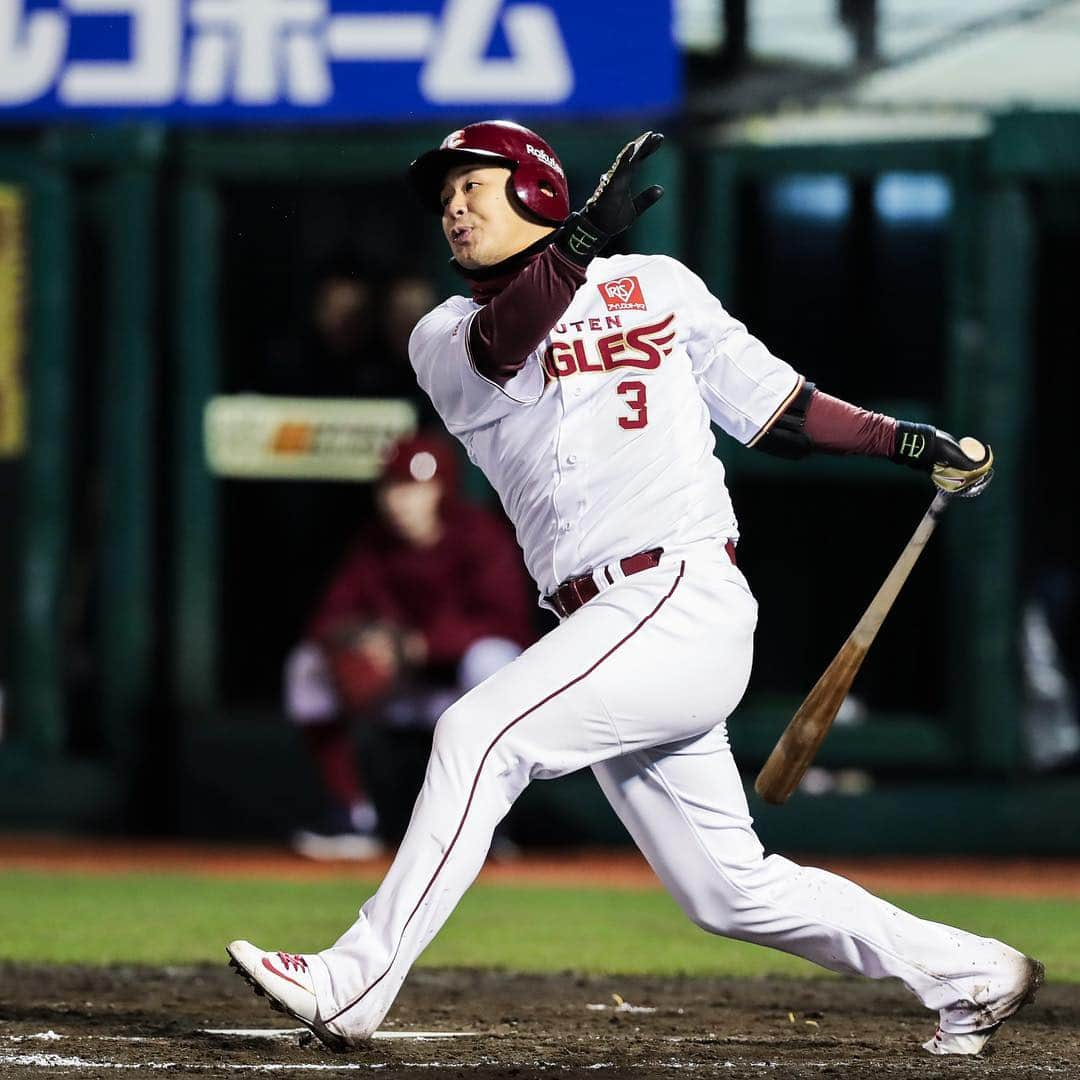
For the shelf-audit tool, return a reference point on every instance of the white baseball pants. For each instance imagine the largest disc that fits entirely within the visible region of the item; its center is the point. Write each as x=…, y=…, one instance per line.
x=636, y=684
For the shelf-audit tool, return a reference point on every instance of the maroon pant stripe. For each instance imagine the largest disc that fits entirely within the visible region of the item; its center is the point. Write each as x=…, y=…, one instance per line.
x=476, y=780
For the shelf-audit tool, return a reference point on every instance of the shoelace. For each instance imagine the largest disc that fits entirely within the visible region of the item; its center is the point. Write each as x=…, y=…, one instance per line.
x=289, y=960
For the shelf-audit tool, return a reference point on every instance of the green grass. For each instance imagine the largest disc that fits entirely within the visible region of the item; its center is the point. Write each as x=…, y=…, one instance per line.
x=184, y=919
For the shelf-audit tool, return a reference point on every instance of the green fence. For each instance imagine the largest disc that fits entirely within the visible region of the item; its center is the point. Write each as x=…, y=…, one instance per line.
x=159, y=199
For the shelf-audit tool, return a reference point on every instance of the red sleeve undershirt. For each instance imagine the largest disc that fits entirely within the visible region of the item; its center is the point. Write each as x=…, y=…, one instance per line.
x=839, y=428
x=507, y=329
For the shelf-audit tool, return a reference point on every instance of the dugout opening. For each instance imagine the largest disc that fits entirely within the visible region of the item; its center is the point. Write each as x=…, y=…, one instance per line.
x=1050, y=616
x=1007, y=257
x=845, y=277
x=320, y=285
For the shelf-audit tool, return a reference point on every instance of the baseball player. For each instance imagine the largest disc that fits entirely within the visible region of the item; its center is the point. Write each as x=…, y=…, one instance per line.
x=584, y=387
x=430, y=601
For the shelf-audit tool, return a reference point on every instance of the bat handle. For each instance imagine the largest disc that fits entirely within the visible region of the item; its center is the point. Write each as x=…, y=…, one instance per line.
x=938, y=505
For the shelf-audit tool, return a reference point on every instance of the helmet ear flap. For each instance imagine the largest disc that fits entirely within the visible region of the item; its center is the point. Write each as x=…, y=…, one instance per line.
x=541, y=191
x=527, y=197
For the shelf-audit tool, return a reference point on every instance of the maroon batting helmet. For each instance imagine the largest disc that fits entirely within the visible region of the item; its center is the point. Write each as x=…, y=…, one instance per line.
x=538, y=178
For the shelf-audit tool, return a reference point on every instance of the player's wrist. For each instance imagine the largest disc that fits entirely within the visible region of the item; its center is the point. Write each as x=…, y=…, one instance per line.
x=915, y=445
x=580, y=240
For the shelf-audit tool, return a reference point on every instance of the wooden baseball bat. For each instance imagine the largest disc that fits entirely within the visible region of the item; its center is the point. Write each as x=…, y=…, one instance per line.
x=796, y=747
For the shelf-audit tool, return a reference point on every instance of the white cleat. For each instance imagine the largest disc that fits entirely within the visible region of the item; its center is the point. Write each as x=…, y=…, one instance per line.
x=285, y=979
x=997, y=1012
x=946, y=1042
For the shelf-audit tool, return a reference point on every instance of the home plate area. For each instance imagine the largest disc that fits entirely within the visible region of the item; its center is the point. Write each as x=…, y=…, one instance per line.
x=203, y=1021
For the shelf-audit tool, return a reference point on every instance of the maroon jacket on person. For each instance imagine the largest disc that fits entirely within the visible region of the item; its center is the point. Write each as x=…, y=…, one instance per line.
x=470, y=585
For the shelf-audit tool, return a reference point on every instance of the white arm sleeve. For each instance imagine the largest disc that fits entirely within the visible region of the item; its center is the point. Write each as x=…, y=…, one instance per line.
x=743, y=385
x=465, y=399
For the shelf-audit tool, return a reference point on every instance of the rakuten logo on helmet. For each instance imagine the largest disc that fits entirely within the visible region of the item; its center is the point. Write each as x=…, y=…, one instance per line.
x=623, y=294
x=546, y=158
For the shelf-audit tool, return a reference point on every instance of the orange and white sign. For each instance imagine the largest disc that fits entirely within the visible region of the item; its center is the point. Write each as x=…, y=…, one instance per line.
x=257, y=436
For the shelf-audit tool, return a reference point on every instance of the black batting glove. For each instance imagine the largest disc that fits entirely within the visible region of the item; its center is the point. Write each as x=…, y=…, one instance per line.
x=613, y=208
x=925, y=447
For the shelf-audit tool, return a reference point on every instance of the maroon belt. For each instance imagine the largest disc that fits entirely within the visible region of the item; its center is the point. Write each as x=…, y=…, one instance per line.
x=572, y=594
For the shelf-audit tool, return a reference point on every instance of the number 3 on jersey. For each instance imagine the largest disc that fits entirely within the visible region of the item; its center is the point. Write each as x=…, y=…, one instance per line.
x=634, y=392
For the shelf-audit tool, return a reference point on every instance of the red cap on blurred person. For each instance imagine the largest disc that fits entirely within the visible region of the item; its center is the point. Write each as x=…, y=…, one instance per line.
x=420, y=458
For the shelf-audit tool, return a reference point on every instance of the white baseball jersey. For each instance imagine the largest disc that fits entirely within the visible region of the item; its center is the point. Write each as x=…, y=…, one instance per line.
x=600, y=446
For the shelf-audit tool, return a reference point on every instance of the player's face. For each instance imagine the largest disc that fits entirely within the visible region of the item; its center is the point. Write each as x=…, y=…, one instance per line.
x=481, y=220
x=411, y=509
x=342, y=311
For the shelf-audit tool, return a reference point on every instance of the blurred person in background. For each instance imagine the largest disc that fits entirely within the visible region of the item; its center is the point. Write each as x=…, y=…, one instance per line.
x=346, y=345
x=409, y=297
x=406, y=299
x=325, y=358
x=354, y=342
x=430, y=601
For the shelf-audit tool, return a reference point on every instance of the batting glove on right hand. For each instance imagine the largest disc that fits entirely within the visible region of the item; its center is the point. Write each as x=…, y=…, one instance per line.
x=924, y=447
x=612, y=208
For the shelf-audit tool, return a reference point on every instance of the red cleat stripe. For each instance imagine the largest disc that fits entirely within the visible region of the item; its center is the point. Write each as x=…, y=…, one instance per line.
x=281, y=974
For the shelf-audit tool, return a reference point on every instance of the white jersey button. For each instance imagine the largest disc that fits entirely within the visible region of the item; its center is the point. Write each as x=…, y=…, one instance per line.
x=571, y=459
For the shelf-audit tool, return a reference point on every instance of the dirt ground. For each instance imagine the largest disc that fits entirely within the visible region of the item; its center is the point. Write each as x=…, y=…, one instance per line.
x=109, y=1022
x=94, y=1022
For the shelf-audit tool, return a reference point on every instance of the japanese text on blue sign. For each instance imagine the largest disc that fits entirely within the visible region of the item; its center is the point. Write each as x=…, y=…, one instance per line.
x=297, y=60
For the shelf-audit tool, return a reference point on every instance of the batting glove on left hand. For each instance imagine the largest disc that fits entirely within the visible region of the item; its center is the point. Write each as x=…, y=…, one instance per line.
x=924, y=447
x=613, y=207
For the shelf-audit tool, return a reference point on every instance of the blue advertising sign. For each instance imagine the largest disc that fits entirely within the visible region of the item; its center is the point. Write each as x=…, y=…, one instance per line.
x=332, y=60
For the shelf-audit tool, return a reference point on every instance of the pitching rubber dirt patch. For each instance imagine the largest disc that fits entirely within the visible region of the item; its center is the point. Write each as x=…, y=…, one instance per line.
x=94, y=1022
